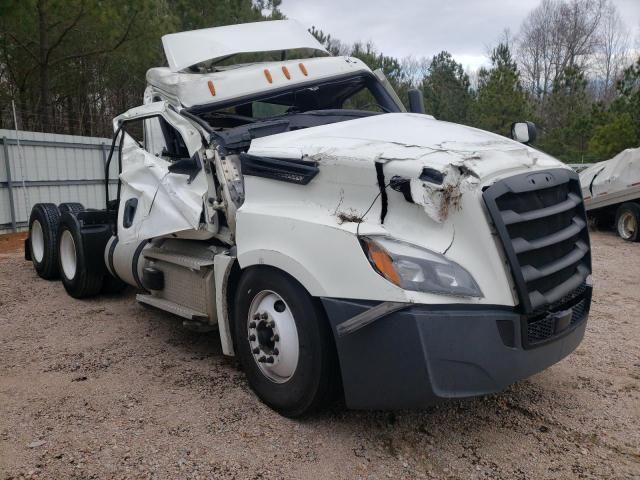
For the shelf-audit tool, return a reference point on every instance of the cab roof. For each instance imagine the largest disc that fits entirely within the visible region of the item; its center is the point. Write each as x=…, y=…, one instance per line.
x=194, y=89
x=185, y=49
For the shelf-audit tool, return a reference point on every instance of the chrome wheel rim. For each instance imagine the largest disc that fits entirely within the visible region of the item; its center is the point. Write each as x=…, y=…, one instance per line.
x=627, y=225
x=68, y=258
x=273, y=336
x=37, y=241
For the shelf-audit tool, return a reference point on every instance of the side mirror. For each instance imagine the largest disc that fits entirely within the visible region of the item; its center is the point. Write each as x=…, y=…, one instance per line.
x=416, y=101
x=523, y=132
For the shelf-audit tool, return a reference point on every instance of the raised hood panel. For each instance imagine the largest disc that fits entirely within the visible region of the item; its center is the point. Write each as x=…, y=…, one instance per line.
x=416, y=140
x=184, y=49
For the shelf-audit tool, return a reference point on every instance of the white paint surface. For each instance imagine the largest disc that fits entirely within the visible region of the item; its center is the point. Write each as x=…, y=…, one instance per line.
x=167, y=202
x=184, y=49
x=298, y=228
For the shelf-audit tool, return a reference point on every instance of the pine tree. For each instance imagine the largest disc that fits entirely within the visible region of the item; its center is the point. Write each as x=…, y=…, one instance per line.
x=500, y=99
x=446, y=89
x=568, y=124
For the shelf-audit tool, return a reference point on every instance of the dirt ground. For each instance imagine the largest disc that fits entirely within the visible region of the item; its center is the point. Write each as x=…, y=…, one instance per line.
x=106, y=388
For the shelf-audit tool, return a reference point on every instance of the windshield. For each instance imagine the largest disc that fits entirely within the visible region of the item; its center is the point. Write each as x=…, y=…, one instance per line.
x=361, y=93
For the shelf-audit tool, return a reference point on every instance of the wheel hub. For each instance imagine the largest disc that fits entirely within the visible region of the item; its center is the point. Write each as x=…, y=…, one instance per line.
x=273, y=336
x=627, y=225
x=68, y=258
x=37, y=241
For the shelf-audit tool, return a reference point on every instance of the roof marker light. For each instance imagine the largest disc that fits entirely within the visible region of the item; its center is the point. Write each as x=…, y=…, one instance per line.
x=285, y=70
x=212, y=88
x=303, y=69
x=267, y=74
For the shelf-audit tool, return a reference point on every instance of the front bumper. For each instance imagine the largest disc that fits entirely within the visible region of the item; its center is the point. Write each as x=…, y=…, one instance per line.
x=416, y=356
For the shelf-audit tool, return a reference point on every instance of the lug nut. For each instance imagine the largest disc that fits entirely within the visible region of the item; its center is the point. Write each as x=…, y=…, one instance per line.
x=262, y=359
x=255, y=351
x=270, y=360
x=276, y=338
x=264, y=316
x=256, y=316
x=276, y=351
x=252, y=338
x=252, y=325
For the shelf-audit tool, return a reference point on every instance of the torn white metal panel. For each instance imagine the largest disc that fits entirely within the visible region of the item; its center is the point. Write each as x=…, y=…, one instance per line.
x=612, y=181
x=439, y=199
x=407, y=143
x=184, y=49
x=167, y=202
x=412, y=138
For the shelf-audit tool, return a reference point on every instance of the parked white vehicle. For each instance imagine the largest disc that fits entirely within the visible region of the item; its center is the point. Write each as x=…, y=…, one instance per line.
x=611, y=191
x=335, y=240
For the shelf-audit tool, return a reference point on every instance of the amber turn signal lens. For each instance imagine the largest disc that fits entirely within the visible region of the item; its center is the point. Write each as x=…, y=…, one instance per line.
x=381, y=261
x=303, y=69
x=267, y=74
x=285, y=70
x=212, y=88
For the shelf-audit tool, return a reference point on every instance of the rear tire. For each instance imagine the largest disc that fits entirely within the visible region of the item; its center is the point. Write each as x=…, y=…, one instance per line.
x=43, y=239
x=628, y=222
x=77, y=277
x=72, y=207
x=288, y=353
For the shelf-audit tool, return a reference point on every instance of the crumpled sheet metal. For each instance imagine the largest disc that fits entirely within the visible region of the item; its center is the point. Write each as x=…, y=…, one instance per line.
x=166, y=202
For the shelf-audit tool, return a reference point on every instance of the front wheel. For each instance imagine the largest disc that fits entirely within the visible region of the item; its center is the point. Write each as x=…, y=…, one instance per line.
x=284, y=342
x=628, y=222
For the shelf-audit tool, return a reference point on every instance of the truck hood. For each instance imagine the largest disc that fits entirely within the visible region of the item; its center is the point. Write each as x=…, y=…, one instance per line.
x=437, y=162
x=412, y=138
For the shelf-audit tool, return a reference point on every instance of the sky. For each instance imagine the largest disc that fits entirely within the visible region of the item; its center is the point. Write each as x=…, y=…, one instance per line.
x=422, y=28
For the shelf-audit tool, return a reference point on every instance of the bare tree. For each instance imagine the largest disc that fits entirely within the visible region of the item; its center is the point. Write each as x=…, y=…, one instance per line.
x=556, y=35
x=536, y=45
x=416, y=69
x=613, y=51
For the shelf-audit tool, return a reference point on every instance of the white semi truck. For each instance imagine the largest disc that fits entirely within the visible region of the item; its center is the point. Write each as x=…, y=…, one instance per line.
x=338, y=243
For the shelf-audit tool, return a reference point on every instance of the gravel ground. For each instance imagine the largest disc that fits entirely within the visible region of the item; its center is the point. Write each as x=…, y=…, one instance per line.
x=105, y=388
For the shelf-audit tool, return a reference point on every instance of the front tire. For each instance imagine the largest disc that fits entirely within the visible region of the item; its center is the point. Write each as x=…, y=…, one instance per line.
x=628, y=222
x=284, y=342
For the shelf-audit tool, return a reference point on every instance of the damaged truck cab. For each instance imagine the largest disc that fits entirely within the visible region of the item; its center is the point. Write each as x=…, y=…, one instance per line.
x=336, y=241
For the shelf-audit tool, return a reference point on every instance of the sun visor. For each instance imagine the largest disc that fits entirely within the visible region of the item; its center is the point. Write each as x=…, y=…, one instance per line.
x=185, y=49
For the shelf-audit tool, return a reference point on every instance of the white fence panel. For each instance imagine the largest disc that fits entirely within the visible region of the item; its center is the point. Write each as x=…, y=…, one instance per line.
x=45, y=167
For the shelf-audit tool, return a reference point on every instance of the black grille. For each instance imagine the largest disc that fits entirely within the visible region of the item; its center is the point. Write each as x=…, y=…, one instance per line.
x=543, y=326
x=541, y=222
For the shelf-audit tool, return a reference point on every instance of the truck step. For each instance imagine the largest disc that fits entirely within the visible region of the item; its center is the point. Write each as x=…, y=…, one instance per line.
x=187, y=261
x=171, y=307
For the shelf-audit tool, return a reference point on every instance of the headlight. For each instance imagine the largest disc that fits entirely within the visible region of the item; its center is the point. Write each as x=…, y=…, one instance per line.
x=418, y=269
